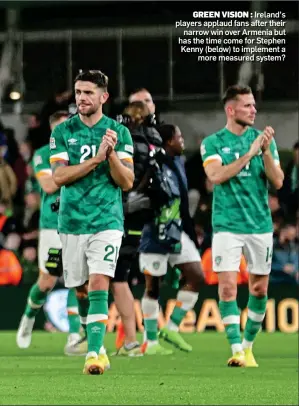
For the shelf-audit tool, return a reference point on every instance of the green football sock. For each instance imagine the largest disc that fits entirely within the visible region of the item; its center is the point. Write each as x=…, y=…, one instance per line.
x=72, y=312
x=256, y=313
x=97, y=319
x=36, y=300
x=230, y=315
x=186, y=300
x=83, y=306
x=150, y=310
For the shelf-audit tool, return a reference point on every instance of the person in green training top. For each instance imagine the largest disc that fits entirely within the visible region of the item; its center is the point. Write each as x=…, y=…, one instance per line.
x=48, y=238
x=240, y=160
x=92, y=162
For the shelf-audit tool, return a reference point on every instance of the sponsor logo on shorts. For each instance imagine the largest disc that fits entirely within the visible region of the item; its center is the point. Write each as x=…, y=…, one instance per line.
x=218, y=260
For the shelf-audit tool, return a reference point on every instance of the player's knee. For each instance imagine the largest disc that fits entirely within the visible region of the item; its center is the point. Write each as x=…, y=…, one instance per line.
x=98, y=282
x=227, y=290
x=46, y=282
x=259, y=290
x=82, y=291
x=193, y=275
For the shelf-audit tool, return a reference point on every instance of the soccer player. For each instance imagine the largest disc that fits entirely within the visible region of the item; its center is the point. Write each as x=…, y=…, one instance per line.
x=240, y=160
x=91, y=159
x=48, y=238
x=156, y=250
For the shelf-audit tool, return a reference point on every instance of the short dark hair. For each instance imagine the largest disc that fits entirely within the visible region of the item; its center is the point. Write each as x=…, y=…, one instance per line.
x=166, y=132
x=58, y=115
x=137, y=90
x=296, y=145
x=233, y=91
x=94, y=76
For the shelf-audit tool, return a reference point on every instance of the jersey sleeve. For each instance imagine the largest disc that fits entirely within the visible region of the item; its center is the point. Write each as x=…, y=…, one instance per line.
x=209, y=151
x=274, y=152
x=124, y=148
x=41, y=164
x=58, y=148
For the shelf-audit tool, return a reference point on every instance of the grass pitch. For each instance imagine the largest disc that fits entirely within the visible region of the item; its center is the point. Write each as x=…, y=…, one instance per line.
x=44, y=375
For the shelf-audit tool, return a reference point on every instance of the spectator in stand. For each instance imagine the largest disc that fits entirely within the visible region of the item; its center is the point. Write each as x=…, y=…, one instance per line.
x=35, y=136
x=276, y=212
x=31, y=221
x=59, y=101
x=285, y=256
x=195, y=171
x=15, y=160
x=9, y=229
x=10, y=268
x=289, y=194
x=8, y=180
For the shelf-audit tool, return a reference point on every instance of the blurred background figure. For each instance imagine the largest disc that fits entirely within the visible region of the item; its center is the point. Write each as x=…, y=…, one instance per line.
x=8, y=180
x=285, y=261
x=289, y=194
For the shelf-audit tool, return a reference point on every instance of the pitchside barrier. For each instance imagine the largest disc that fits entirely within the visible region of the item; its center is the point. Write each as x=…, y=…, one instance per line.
x=281, y=315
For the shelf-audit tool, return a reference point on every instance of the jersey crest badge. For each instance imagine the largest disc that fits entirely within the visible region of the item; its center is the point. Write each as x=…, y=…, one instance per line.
x=218, y=260
x=52, y=143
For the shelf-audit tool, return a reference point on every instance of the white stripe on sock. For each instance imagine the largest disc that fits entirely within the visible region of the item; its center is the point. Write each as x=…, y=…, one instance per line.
x=233, y=319
x=150, y=308
x=258, y=317
x=34, y=305
x=92, y=318
x=236, y=348
x=172, y=326
x=187, y=298
x=73, y=310
x=247, y=344
x=102, y=350
x=83, y=320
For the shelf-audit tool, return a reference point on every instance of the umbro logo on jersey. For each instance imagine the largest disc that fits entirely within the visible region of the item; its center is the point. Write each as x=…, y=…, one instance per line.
x=72, y=141
x=226, y=150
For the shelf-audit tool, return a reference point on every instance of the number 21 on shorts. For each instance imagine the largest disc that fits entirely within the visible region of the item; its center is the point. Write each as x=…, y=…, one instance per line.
x=111, y=253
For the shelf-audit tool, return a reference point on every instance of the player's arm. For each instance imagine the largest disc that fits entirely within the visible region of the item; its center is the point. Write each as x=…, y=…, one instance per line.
x=46, y=182
x=121, y=163
x=212, y=161
x=122, y=171
x=43, y=172
x=63, y=173
x=273, y=170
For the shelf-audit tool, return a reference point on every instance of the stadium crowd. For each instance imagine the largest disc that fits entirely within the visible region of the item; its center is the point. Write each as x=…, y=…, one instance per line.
x=20, y=206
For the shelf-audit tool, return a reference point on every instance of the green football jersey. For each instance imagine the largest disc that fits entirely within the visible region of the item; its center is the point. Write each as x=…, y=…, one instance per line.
x=240, y=205
x=41, y=166
x=31, y=184
x=94, y=202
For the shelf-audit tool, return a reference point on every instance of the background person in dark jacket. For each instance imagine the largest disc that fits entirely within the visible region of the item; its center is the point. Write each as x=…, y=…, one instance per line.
x=145, y=137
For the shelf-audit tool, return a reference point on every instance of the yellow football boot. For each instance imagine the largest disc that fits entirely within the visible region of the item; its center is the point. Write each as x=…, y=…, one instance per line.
x=249, y=358
x=237, y=360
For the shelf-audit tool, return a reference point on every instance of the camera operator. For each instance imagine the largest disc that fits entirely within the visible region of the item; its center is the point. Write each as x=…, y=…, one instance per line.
x=141, y=123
